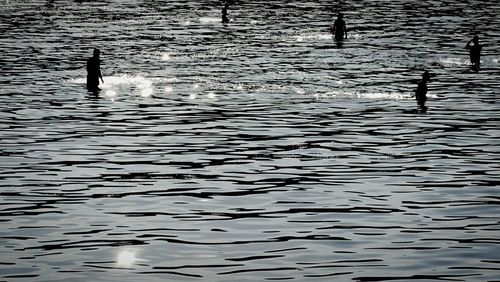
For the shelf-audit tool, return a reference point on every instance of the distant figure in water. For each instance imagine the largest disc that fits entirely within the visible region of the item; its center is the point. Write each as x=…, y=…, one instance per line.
x=339, y=29
x=421, y=92
x=224, y=13
x=475, y=52
x=94, y=71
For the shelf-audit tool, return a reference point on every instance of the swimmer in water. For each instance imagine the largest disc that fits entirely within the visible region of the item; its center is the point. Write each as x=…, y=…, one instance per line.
x=224, y=13
x=94, y=71
x=421, y=92
x=475, y=52
x=339, y=29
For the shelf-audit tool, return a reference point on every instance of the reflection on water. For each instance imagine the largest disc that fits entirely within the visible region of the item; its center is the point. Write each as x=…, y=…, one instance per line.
x=126, y=258
x=124, y=84
x=253, y=151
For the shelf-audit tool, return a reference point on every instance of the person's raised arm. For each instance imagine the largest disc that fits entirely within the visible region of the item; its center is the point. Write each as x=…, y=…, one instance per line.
x=100, y=75
x=468, y=44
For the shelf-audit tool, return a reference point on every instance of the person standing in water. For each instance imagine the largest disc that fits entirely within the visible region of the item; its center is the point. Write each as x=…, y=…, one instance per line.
x=224, y=13
x=421, y=92
x=94, y=71
x=339, y=29
x=475, y=52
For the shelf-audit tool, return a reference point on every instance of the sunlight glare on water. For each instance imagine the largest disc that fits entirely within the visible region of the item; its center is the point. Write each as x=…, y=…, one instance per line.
x=126, y=258
x=258, y=150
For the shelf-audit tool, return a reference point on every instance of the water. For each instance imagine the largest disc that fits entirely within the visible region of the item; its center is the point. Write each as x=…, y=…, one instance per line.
x=254, y=151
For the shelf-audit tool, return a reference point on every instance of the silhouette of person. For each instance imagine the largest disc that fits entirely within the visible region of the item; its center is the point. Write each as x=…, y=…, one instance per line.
x=224, y=13
x=339, y=29
x=421, y=92
x=94, y=71
x=475, y=52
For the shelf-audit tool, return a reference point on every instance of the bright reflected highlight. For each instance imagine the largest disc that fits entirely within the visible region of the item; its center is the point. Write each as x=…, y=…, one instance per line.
x=114, y=86
x=110, y=93
x=126, y=258
x=165, y=57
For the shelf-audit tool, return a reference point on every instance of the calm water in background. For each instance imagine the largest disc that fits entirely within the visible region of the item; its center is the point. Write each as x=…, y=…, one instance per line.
x=254, y=151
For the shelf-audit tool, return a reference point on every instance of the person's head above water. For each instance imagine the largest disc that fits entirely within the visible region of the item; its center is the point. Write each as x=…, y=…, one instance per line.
x=97, y=52
x=426, y=76
x=340, y=16
x=475, y=39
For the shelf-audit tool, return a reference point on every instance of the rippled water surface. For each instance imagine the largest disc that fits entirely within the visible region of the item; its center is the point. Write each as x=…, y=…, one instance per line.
x=260, y=150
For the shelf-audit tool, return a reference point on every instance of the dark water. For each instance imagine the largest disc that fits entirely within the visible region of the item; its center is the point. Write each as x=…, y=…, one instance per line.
x=254, y=151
